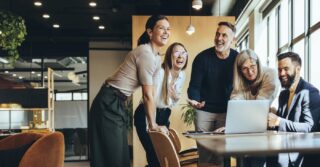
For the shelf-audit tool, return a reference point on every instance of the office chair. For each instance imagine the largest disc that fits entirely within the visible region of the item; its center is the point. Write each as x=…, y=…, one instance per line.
x=166, y=151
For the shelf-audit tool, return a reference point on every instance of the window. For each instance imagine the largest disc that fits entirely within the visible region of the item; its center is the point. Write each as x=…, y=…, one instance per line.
x=272, y=41
x=63, y=96
x=243, y=43
x=298, y=17
x=315, y=58
x=284, y=23
x=314, y=12
x=299, y=48
x=80, y=96
x=261, y=49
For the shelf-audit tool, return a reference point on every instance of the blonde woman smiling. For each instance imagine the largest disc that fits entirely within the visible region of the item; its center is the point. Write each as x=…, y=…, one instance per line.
x=172, y=77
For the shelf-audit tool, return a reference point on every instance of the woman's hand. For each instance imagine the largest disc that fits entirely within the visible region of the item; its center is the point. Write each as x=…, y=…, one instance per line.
x=219, y=130
x=173, y=93
x=158, y=128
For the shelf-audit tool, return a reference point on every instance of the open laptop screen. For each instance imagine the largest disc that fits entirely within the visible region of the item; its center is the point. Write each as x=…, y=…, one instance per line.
x=247, y=116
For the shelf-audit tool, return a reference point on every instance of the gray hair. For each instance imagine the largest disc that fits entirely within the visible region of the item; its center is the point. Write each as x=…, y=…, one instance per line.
x=240, y=83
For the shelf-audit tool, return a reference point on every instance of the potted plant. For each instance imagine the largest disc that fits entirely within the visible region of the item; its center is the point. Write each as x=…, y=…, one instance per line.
x=12, y=34
x=188, y=114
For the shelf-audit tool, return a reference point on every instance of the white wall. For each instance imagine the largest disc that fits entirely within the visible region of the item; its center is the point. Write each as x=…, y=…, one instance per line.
x=102, y=64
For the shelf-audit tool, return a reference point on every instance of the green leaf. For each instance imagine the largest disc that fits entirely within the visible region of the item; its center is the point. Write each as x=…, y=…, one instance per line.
x=188, y=114
x=13, y=33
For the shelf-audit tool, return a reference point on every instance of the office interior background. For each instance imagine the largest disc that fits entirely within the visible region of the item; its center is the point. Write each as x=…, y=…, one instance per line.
x=84, y=44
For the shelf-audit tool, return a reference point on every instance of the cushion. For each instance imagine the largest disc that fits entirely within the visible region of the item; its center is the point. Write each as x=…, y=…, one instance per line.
x=12, y=157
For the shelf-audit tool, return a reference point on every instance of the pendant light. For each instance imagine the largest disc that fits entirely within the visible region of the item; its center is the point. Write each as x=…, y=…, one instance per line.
x=190, y=29
x=197, y=4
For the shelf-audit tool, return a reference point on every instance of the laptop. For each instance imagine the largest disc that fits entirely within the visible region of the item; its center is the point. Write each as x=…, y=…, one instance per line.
x=247, y=116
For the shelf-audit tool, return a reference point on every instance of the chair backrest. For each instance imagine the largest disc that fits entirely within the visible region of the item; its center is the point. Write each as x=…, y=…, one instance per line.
x=19, y=140
x=48, y=151
x=173, y=135
x=165, y=149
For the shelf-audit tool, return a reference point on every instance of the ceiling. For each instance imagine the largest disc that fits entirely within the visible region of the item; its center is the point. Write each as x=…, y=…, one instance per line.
x=68, y=45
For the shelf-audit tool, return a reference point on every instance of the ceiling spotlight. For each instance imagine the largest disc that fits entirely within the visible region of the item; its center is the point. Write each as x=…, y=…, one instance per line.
x=32, y=72
x=96, y=18
x=37, y=3
x=101, y=27
x=39, y=75
x=197, y=4
x=6, y=72
x=190, y=29
x=45, y=77
x=93, y=4
x=46, y=16
x=20, y=77
x=14, y=75
x=56, y=26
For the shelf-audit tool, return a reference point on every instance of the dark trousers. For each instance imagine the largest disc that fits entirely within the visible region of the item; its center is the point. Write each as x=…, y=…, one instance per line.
x=162, y=118
x=108, y=134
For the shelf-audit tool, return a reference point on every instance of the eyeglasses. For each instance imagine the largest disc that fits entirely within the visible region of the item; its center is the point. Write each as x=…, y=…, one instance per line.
x=251, y=68
x=180, y=53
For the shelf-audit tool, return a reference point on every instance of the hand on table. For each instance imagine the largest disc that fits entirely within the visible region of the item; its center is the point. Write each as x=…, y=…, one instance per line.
x=219, y=130
x=273, y=120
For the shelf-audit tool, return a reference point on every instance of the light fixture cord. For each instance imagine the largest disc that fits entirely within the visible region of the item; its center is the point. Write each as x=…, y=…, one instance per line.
x=219, y=7
x=190, y=11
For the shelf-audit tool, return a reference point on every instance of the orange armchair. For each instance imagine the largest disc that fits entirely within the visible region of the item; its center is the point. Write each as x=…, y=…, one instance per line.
x=46, y=151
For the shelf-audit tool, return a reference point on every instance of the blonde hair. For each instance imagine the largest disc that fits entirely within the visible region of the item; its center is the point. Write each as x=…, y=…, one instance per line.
x=240, y=83
x=167, y=65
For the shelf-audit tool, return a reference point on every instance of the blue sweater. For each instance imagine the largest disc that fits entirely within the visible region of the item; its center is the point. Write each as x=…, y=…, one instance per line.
x=211, y=80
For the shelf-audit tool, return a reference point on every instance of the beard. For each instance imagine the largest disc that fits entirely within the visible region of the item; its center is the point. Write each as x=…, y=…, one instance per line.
x=287, y=84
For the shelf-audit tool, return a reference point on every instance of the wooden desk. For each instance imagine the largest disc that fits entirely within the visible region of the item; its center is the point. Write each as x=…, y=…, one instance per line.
x=269, y=143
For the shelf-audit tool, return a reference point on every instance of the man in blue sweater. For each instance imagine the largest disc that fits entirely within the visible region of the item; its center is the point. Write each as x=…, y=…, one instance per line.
x=211, y=85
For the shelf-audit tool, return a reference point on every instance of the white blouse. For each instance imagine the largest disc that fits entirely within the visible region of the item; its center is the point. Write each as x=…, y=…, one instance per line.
x=177, y=85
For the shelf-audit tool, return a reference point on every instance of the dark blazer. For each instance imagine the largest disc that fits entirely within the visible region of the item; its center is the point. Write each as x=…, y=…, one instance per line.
x=303, y=114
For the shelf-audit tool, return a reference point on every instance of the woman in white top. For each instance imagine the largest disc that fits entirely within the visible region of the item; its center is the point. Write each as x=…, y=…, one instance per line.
x=108, y=119
x=172, y=77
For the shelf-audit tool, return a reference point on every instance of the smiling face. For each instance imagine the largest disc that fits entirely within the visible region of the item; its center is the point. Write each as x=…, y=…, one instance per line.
x=223, y=39
x=179, y=57
x=288, y=72
x=160, y=34
x=249, y=69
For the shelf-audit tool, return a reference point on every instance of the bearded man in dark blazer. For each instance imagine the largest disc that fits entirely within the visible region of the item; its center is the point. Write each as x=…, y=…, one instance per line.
x=299, y=105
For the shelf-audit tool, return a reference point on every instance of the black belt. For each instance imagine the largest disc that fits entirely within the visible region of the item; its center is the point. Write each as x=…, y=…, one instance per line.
x=116, y=91
x=162, y=109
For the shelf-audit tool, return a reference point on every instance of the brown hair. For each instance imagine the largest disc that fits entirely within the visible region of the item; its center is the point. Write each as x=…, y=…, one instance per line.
x=150, y=24
x=167, y=66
